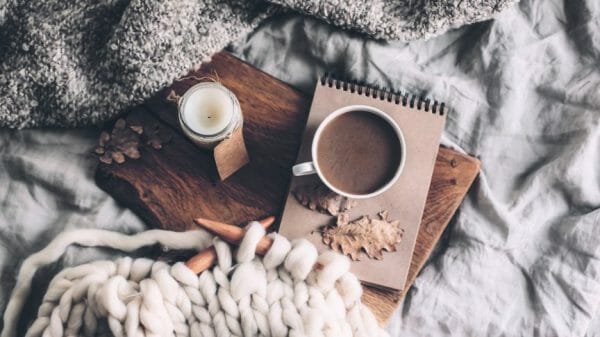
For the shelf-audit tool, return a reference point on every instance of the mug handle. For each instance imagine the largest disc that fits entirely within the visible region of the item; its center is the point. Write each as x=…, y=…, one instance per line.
x=304, y=169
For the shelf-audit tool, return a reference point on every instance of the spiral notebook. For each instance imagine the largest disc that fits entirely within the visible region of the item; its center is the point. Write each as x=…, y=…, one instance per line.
x=422, y=122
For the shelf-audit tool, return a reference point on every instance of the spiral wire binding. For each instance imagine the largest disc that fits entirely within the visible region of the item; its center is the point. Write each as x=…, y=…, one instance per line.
x=395, y=96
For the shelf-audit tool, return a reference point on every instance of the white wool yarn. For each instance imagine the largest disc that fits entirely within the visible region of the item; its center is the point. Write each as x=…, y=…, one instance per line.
x=291, y=291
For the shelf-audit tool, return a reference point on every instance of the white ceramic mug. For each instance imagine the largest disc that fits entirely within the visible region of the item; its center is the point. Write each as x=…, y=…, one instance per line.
x=312, y=167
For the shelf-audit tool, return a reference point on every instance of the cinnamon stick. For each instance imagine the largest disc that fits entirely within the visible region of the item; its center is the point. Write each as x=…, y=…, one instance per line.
x=229, y=233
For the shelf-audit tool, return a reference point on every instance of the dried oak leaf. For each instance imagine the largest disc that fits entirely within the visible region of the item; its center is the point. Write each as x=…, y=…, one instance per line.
x=122, y=142
x=369, y=235
x=318, y=197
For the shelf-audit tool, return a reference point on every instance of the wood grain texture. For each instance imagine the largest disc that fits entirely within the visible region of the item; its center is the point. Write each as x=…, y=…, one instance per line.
x=170, y=187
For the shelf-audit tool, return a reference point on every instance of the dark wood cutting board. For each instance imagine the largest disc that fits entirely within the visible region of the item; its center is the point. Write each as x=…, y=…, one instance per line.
x=171, y=186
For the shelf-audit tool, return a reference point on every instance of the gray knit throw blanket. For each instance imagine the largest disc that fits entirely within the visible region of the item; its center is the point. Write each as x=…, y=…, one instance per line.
x=80, y=62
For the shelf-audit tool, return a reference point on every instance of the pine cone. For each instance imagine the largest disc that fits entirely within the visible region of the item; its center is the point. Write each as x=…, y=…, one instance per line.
x=123, y=142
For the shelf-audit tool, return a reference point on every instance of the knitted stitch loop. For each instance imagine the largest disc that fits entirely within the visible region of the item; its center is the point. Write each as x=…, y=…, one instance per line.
x=292, y=291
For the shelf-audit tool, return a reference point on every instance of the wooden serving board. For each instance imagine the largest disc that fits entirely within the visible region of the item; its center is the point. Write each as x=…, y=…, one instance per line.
x=170, y=187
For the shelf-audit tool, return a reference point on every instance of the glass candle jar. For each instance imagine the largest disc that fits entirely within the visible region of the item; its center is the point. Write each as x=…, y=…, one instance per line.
x=209, y=113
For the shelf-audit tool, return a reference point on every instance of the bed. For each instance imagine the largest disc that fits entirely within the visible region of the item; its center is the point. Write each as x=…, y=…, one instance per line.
x=521, y=257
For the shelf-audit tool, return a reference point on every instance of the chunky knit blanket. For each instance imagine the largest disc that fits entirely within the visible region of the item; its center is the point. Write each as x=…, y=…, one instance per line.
x=73, y=63
x=291, y=291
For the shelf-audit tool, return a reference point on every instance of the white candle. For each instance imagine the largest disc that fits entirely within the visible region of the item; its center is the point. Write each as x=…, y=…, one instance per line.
x=208, y=111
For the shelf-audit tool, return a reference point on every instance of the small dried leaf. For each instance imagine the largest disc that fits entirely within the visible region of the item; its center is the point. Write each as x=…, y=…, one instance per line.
x=318, y=197
x=106, y=158
x=369, y=235
x=99, y=150
x=118, y=157
x=137, y=129
x=132, y=153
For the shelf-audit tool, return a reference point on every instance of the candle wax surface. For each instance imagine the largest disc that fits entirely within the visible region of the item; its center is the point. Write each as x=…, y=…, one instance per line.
x=208, y=111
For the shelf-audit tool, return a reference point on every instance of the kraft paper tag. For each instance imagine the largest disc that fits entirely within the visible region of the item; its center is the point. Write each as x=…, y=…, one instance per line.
x=231, y=154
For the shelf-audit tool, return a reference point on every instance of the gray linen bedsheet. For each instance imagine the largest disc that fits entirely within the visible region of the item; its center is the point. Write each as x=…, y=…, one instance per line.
x=522, y=257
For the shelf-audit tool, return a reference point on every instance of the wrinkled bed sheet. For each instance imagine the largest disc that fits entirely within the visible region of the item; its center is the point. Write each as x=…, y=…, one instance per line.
x=522, y=256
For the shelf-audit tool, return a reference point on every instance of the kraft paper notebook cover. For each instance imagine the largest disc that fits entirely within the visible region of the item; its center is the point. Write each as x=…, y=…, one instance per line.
x=422, y=122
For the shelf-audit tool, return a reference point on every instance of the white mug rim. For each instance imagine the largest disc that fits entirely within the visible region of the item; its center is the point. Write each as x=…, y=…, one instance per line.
x=379, y=113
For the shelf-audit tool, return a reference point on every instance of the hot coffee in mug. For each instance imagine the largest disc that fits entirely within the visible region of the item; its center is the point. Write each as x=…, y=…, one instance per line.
x=358, y=151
